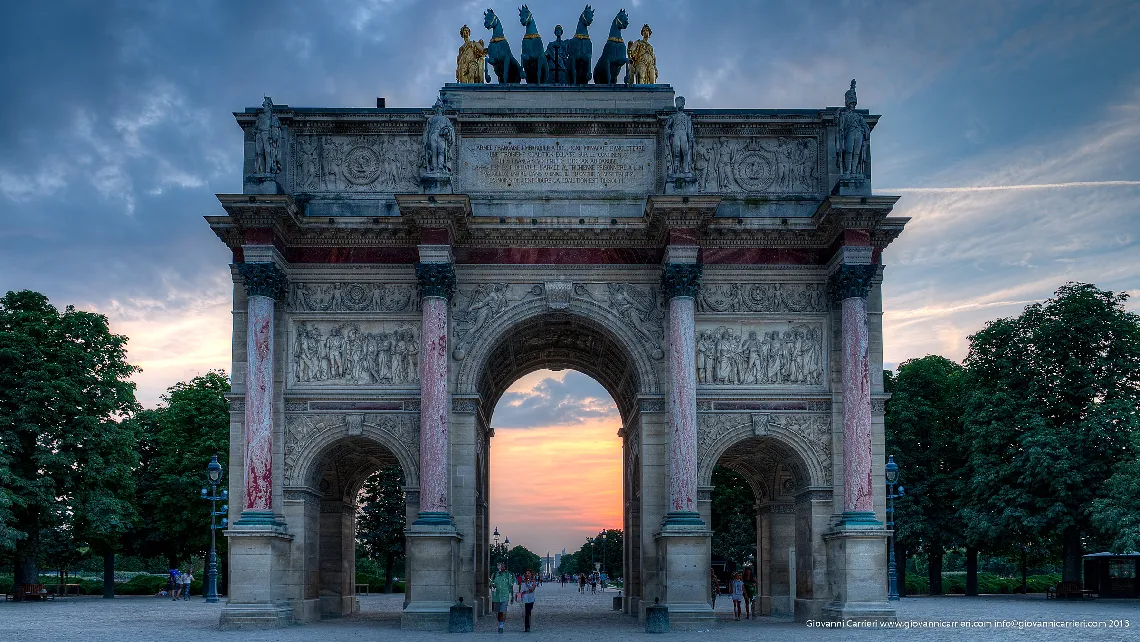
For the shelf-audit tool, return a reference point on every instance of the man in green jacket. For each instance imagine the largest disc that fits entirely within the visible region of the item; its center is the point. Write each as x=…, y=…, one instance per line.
x=501, y=584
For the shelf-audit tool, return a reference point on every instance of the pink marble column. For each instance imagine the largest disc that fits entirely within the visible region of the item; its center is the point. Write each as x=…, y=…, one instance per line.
x=264, y=283
x=680, y=281
x=850, y=286
x=856, y=408
x=433, y=406
x=437, y=282
x=259, y=405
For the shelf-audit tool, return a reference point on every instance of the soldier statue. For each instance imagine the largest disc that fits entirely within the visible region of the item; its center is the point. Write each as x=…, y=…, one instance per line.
x=679, y=135
x=558, y=57
x=852, y=138
x=469, y=63
x=642, y=60
x=439, y=136
x=267, y=140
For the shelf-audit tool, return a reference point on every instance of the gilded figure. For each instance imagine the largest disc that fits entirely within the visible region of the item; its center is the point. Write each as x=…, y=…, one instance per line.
x=642, y=60
x=469, y=63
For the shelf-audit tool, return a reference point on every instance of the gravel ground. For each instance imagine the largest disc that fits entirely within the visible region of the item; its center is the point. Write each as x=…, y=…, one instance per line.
x=564, y=615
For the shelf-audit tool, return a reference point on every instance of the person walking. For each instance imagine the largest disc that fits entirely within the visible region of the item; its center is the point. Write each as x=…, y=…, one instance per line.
x=715, y=583
x=528, y=586
x=602, y=581
x=581, y=582
x=187, y=577
x=749, y=592
x=501, y=584
x=175, y=584
x=737, y=594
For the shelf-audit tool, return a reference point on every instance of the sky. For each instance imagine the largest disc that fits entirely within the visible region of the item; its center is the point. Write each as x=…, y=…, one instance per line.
x=1010, y=129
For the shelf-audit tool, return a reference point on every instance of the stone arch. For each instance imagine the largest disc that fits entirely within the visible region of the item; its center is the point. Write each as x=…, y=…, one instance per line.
x=634, y=336
x=799, y=442
x=313, y=440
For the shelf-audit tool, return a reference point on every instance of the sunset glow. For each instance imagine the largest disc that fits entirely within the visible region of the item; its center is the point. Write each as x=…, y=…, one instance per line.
x=558, y=482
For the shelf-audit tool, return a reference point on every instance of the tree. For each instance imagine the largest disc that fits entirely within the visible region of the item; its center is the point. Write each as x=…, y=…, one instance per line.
x=176, y=441
x=521, y=559
x=923, y=429
x=64, y=388
x=1050, y=413
x=381, y=517
x=733, y=516
x=569, y=564
x=1117, y=514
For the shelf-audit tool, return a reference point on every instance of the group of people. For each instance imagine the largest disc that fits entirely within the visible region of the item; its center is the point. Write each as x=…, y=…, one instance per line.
x=594, y=579
x=178, y=585
x=503, y=594
x=742, y=588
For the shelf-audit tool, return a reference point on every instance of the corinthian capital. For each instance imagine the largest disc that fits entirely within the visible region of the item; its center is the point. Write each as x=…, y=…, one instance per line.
x=681, y=279
x=436, y=279
x=263, y=279
x=851, y=281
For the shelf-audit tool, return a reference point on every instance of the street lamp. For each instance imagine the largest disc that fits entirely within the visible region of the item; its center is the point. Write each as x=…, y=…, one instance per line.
x=893, y=491
x=603, y=535
x=213, y=477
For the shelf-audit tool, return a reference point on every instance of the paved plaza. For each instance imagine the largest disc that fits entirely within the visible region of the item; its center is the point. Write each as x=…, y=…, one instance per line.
x=560, y=614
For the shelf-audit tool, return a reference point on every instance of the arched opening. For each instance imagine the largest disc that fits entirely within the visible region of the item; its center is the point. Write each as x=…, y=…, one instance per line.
x=543, y=360
x=331, y=474
x=775, y=477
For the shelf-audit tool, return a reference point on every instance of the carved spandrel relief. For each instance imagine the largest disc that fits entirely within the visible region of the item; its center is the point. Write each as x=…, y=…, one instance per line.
x=477, y=306
x=769, y=165
x=353, y=297
x=815, y=430
x=762, y=297
x=302, y=429
x=365, y=353
x=366, y=163
x=771, y=354
x=638, y=306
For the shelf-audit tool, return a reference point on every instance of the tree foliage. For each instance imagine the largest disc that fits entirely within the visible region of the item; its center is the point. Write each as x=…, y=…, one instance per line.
x=596, y=549
x=733, y=516
x=176, y=441
x=65, y=451
x=1050, y=410
x=380, y=520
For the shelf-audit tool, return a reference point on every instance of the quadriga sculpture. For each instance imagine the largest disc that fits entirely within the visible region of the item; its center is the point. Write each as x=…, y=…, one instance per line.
x=499, y=53
x=613, y=55
x=536, y=69
x=580, y=50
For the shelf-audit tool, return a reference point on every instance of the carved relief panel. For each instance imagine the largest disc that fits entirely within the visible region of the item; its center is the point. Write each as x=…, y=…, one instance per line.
x=759, y=165
x=787, y=353
x=353, y=297
x=362, y=163
x=805, y=298
x=357, y=353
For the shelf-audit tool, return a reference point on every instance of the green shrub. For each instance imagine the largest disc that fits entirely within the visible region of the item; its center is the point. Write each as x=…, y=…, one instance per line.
x=6, y=584
x=917, y=584
x=141, y=585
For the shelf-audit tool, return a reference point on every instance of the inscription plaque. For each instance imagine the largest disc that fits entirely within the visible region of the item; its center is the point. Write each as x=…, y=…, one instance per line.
x=543, y=165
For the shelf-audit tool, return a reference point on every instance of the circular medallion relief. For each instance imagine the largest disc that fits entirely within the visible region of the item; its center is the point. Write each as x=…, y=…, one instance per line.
x=754, y=172
x=361, y=165
x=355, y=296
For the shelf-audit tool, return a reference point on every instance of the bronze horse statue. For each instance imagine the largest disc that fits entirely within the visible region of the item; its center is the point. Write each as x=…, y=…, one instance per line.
x=499, y=51
x=613, y=55
x=536, y=69
x=579, y=49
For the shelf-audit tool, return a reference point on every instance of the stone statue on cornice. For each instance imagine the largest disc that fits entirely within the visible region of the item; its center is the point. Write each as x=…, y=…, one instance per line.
x=852, y=139
x=679, y=136
x=439, y=136
x=267, y=140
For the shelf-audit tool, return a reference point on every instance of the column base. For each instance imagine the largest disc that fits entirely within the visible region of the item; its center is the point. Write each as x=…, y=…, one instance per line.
x=857, y=574
x=859, y=520
x=432, y=544
x=682, y=518
x=255, y=616
x=687, y=552
x=256, y=518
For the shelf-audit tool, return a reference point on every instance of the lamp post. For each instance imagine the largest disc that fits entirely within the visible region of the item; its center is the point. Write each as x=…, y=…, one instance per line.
x=893, y=491
x=213, y=477
x=603, y=536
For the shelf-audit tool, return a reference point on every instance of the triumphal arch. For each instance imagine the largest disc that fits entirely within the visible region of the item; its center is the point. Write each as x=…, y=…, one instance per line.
x=717, y=270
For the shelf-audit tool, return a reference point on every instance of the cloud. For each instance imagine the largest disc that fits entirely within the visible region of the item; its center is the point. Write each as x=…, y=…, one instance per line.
x=573, y=399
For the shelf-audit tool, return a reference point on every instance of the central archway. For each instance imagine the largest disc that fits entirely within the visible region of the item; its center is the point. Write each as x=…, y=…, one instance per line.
x=593, y=342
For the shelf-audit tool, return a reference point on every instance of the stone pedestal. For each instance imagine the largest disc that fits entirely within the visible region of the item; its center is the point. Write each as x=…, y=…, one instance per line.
x=430, y=591
x=687, y=554
x=852, y=186
x=436, y=182
x=259, y=557
x=857, y=585
x=681, y=184
x=262, y=184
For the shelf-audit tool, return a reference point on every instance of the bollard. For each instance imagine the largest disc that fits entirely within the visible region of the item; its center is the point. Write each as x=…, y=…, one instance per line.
x=617, y=601
x=656, y=617
x=462, y=618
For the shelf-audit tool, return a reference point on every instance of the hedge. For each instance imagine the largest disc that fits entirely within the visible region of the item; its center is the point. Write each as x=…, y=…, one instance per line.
x=988, y=583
